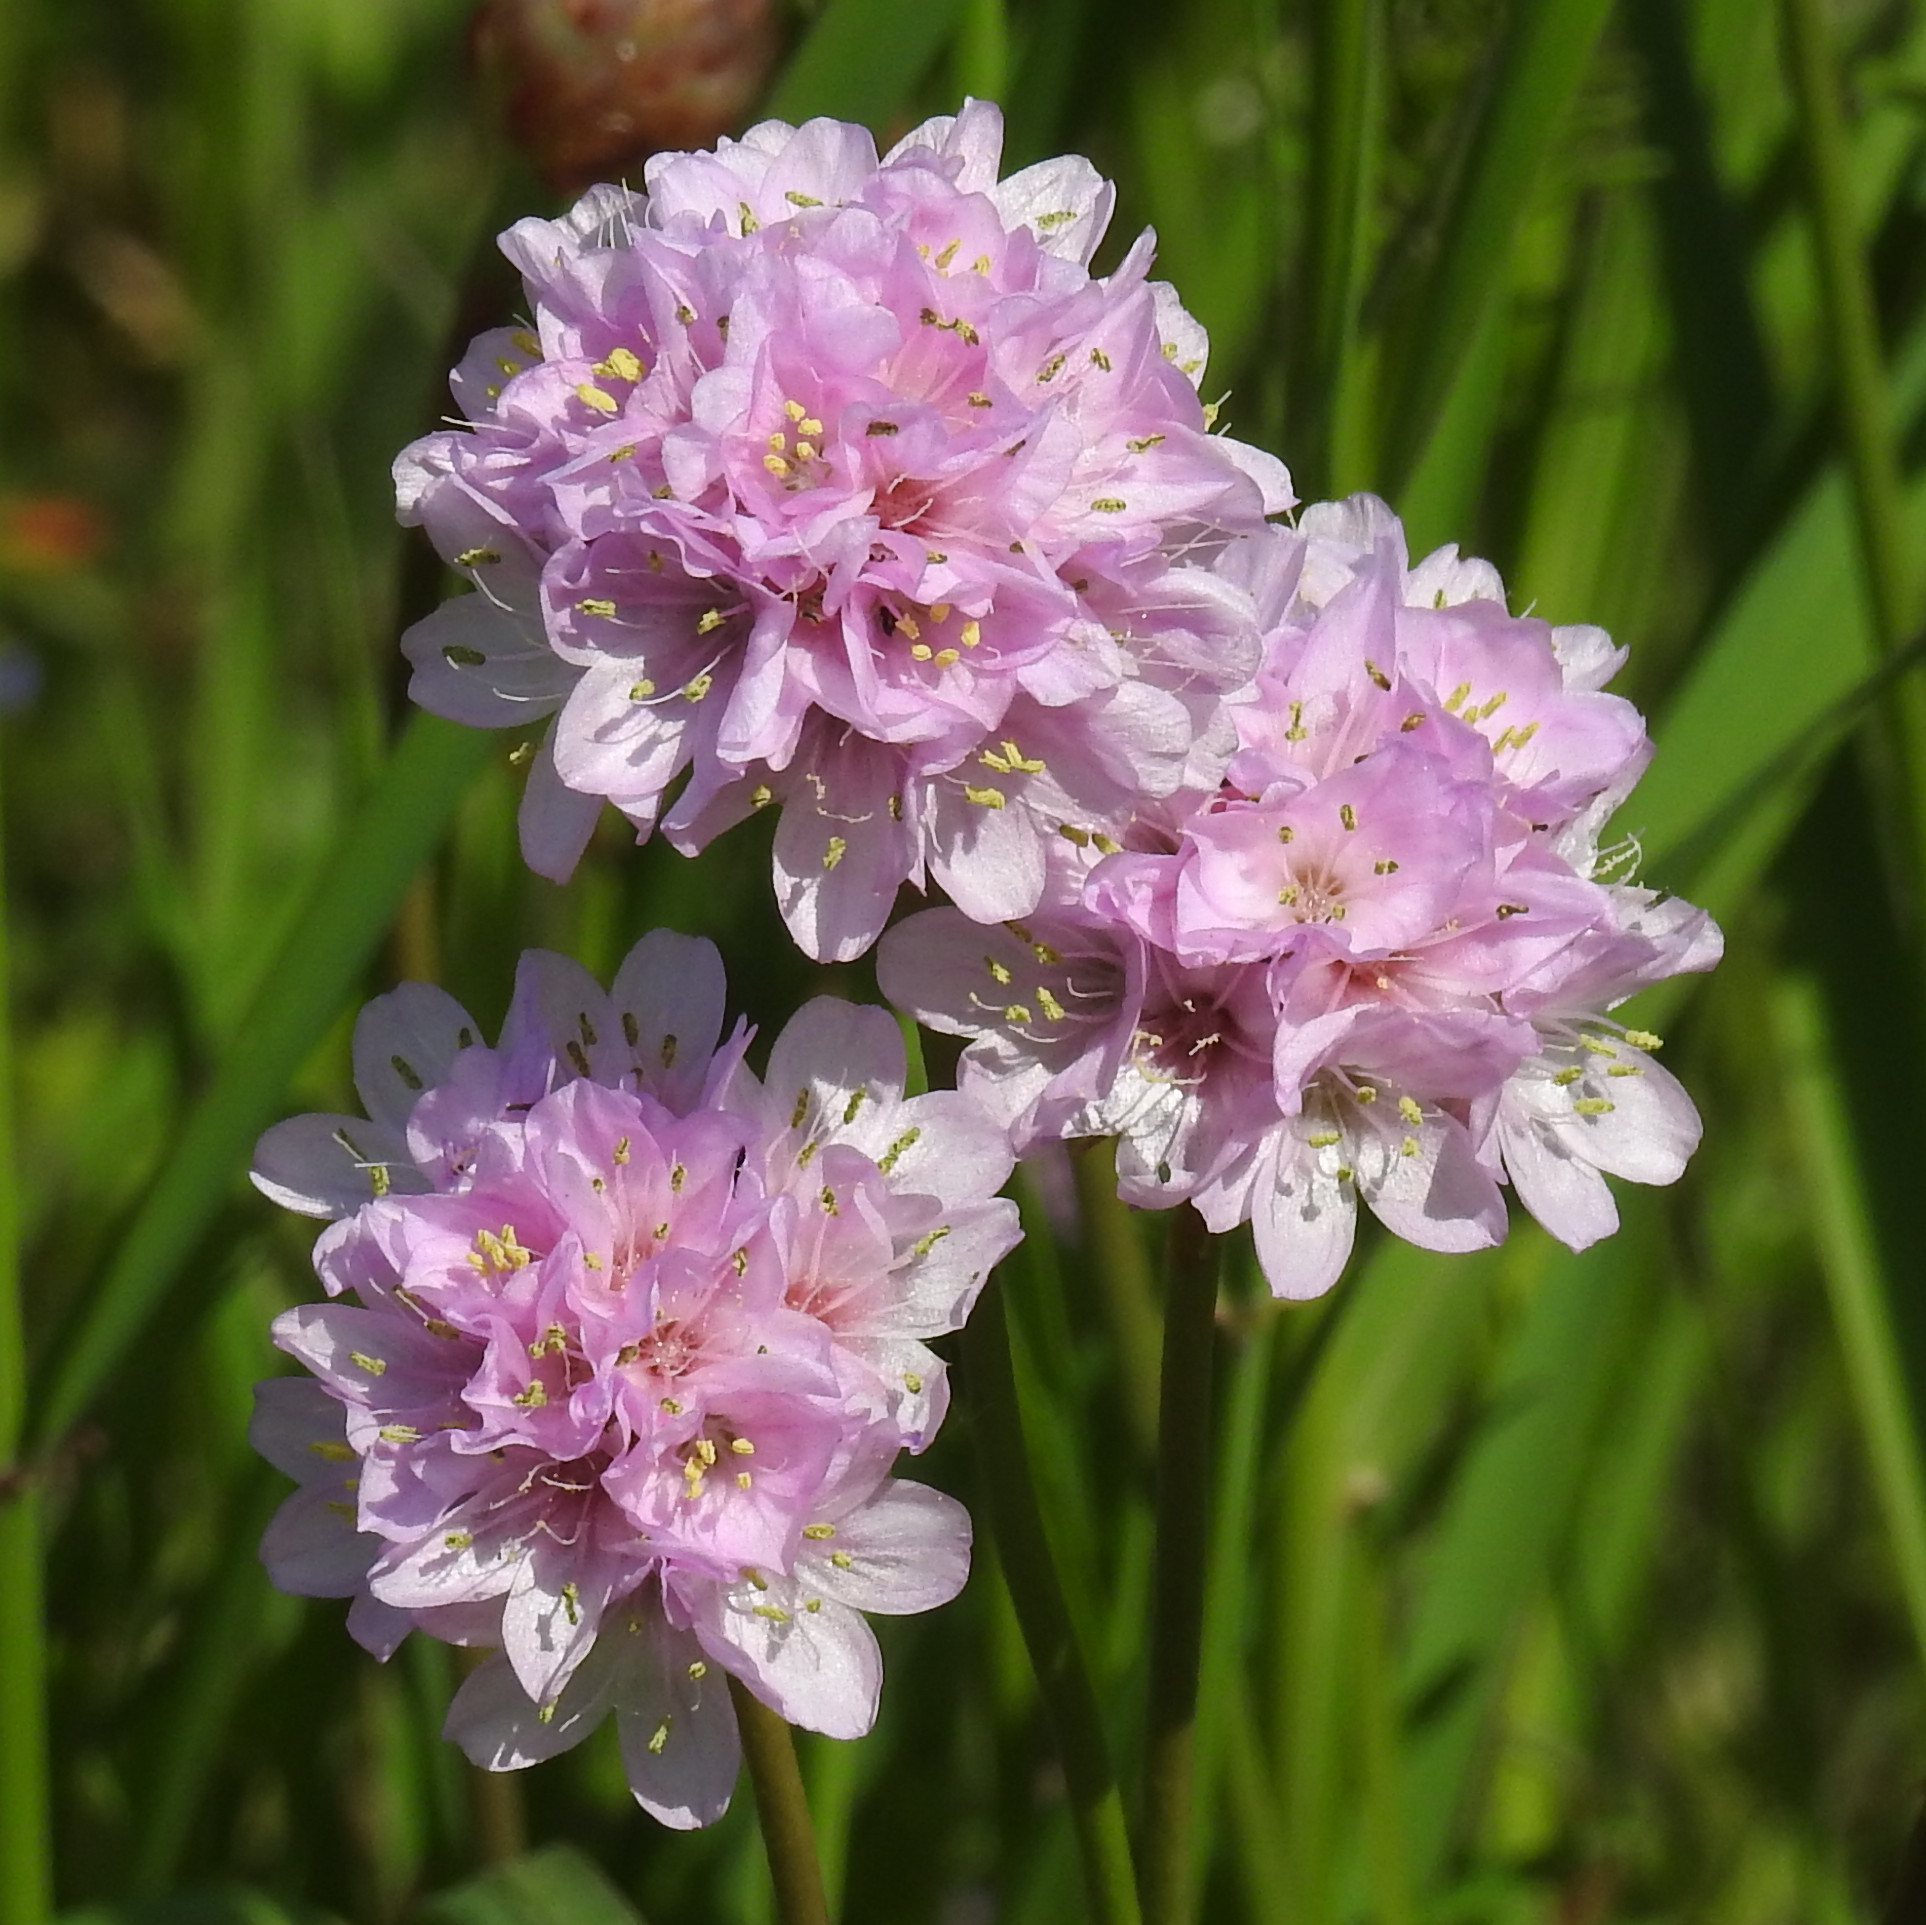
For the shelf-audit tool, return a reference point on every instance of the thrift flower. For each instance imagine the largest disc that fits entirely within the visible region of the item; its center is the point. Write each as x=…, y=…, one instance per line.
x=1377, y=960
x=619, y=1347
x=841, y=486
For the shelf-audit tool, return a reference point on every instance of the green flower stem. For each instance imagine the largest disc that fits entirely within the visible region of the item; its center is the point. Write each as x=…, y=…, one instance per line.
x=782, y=1810
x=1182, y=1558
x=1865, y=416
x=26, y=1873
x=1016, y=1519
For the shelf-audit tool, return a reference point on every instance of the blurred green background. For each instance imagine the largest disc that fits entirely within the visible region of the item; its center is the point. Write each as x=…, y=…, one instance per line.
x=1545, y=1588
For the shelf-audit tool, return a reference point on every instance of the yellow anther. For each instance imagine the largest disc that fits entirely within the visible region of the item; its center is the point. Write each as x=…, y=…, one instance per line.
x=1348, y=816
x=621, y=1151
x=808, y=425
x=1143, y=443
x=1367, y=1093
x=526, y=342
x=744, y=1480
x=841, y=1559
x=1455, y=699
x=1596, y=1044
x=1385, y=867
x=1324, y=1139
x=374, y=1366
x=794, y=410
x=1409, y=1147
x=819, y=1531
x=778, y=441
x=1644, y=1039
x=970, y=634
x=694, y=691
x=597, y=398
x=910, y=626
x=331, y=1452
x=458, y=1540
x=998, y=973
x=642, y=690
x=697, y=1671
x=773, y=1612
x=742, y=1447
x=1568, y=1076
x=1289, y=894
x=659, y=1737
x=623, y=363
x=1016, y=1013
x=947, y=658
x=1592, y=1105
x=939, y=613
x=1052, y=1009
x=805, y=451
x=837, y=848
x=1492, y=707
x=1410, y=1109
x=775, y=464
x=532, y=1398
x=477, y=557
x=981, y=401
x=506, y=365
x=984, y=798
x=1378, y=677
x=1110, y=505
x=907, y=1141
x=1099, y=359
x=1626, y=1069
x=948, y=254
x=597, y=605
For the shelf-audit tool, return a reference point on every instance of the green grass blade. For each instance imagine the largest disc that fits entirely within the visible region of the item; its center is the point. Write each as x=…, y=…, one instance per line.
x=26, y=1843
x=861, y=57
x=1508, y=1502
x=381, y=847
x=1544, y=57
x=1049, y=1629
x=1857, y=1286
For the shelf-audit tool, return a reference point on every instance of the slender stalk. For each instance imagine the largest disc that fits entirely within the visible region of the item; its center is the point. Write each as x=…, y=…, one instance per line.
x=26, y=1882
x=1036, y=1590
x=1866, y=426
x=1182, y=1558
x=782, y=1810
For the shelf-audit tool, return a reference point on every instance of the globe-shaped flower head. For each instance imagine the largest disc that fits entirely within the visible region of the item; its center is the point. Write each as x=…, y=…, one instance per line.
x=623, y=1345
x=843, y=487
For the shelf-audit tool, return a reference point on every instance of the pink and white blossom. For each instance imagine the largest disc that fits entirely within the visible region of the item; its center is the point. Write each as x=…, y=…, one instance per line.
x=620, y=1343
x=1376, y=961
x=841, y=485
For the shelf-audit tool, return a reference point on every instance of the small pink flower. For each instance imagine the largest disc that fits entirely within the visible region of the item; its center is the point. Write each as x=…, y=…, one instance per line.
x=619, y=1347
x=842, y=486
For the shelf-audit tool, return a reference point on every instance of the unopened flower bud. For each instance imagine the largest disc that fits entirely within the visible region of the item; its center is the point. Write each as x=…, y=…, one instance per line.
x=589, y=88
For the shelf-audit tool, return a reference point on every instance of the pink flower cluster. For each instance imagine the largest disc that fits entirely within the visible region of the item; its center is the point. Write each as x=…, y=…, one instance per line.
x=620, y=1347
x=1376, y=960
x=841, y=486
